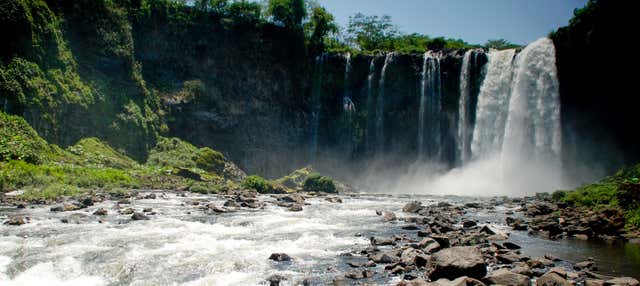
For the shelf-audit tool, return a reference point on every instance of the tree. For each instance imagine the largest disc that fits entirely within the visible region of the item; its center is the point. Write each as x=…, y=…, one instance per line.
x=244, y=12
x=437, y=44
x=370, y=32
x=500, y=44
x=289, y=13
x=321, y=23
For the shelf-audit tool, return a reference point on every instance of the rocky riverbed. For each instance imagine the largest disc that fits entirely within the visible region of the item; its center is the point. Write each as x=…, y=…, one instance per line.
x=244, y=238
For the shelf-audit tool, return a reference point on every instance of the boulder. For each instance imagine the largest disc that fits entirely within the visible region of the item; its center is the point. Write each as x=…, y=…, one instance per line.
x=274, y=280
x=280, y=257
x=457, y=261
x=552, y=279
x=506, y=277
x=295, y=208
x=101, y=212
x=139, y=216
x=292, y=198
x=622, y=281
x=15, y=220
x=334, y=200
x=383, y=257
x=412, y=207
x=511, y=245
x=388, y=216
x=382, y=241
x=469, y=223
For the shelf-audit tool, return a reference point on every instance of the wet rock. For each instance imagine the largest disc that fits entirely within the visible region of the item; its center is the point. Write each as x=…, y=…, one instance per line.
x=506, y=277
x=410, y=227
x=147, y=210
x=424, y=232
x=66, y=207
x=594, y=282
x=274, y=280
x=295, y=208
x=382, y=241
x=412, y=207
x=443, y=240
x=397, y=270
x=383, y=258
x=354, y=265
x=454, y=262
x=15, y=220
x=231, y=204
x=469, y=223
x=21, y=206
x=280, y=257
x=292, y=198
x=585, y=265
x=429, y=245
x=334, y=200
x=388, y=216
x=216, y=209
x=552, y=279
x=508, y=258
x=139, y=216
x=124, y=202
x=511, y=245
x=149, y=197
x=540, y=208
x=523, y=269
x=127, y=211
x=622, y=281
x=487, y=230
x=552, y=257
x=358, y=274
x=101, y=212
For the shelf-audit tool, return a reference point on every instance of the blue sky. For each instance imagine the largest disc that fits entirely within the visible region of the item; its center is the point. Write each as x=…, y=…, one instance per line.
x=475, y=21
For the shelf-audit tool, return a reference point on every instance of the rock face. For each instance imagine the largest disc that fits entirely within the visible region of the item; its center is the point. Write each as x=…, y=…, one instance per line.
x=280, y=257
x=458, y=261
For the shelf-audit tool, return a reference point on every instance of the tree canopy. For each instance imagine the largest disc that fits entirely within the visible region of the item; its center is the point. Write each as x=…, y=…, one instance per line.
x=289, y=13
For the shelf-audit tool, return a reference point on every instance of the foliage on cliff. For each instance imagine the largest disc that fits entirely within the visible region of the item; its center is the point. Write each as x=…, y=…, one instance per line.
x=621, y=190
x=18, y=141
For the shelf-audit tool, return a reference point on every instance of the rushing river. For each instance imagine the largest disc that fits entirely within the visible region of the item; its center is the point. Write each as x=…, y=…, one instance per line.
x=184, y=245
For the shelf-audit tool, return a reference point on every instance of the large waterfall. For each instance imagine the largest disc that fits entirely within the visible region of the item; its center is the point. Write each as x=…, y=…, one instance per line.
x=463, y=103
x=370, y=106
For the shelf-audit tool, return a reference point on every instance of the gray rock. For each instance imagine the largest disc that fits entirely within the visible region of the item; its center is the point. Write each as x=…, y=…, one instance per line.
x=139, y=216
x=412, y=207
x=623, y=281
x=506, y=277
x=280, y=257
x=552, y=279
x=101, y=212
x=15, y=220
x=388, y=216
x=458, y=261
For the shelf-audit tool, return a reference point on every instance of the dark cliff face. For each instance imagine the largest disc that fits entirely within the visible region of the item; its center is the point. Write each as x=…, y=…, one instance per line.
x=599, y=98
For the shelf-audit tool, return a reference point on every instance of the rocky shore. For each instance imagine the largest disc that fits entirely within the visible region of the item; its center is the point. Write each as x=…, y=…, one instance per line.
x=439, y=244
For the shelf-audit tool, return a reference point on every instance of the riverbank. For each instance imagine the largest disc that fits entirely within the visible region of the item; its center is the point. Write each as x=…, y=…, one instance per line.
x=228, y=238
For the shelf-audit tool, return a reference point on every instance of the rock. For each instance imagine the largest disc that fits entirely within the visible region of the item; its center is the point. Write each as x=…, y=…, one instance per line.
x=397, y=270
x=149, y=197
x=358, y=274
x=429, y=245
x=424, y=232
x=454, y=262
x=469, y=223
x=412, y=207
x=524, y=270
x=585, y=265
x=487, y=230
x=280, y=257
x=443, y=240
x=508, y=258
x=295, y=208
x=15, y=220
x=383, y=257
x=334, y=200
x=382, y=241
x=410, y=227
x=623, y=281
x=292, y=198
x=388, y=216
x=139, y=216
x=66, y=207
x=127, y=211
x=552, y=257
x=511, y=245
x=101, y=212
x=231, y=204
x=506, y=277
x=274, y=280
x=552, y=279
x=147, y=210
x=216, y=209
x=594, y=282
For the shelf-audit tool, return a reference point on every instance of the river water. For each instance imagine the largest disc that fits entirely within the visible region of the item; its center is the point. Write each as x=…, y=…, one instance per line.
x=184, y=245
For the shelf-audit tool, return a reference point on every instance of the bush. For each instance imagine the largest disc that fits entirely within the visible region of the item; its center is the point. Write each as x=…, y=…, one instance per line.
x=318, y=183
x=210, y=160
x=18, y=141
x=558, y=195
x=257, y=183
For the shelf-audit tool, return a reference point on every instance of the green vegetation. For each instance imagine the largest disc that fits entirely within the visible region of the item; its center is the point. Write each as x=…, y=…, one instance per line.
x=318, y=183
x=500, y=44
x=289, y=13
x=621, y=190
x=258, y=183
x=18, y=141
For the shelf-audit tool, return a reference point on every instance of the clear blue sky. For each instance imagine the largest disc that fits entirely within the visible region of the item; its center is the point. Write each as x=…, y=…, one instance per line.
x=475, y=21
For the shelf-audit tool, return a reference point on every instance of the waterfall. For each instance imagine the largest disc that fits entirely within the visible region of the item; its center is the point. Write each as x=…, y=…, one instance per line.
x=348, y=107
x=316, y=94
x=533, y=126
x=429, y=112
x=493, y=104
x=463, y=103
x=380, y=104
x=370, y=104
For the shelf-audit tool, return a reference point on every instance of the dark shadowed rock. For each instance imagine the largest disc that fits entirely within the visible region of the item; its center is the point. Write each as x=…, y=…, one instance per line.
x=382, y=241
x=468, y=223
x=295, y=208
x=292, y=198
x=458, y=261
x=383, y=257
x=511, y=245
x=280, y=257
x=101, y=212
x=334, y=200
x=506, y=277
x=274, y=280
x=139, y=216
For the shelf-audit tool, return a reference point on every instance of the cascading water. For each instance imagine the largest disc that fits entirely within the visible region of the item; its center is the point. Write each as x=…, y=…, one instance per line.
x=370, y=104
x=316, y=107
x=493, y=104
x=464, y=131
x=380, y=104
x=348, y=106
x=532, y=133
x=430, y=109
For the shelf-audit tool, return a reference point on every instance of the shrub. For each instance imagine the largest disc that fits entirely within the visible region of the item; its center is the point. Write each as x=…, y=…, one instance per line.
x=257, y=183
x=18, y=141
x=210, y=160
x=318, y=183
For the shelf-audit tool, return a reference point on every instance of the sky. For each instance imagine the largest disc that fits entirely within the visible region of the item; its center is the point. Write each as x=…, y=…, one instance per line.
x=474, y=21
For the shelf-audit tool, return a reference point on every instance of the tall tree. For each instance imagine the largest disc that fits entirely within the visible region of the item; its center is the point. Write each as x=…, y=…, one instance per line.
x=371, y=32
x=289, y=13
x=321, y=23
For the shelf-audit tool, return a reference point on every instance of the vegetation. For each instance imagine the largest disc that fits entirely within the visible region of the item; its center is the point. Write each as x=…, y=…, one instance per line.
x=18, y=141
x=319, y=183
x=621, y=190
x=258, y=183
x=289, y=13
x=500, y=44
